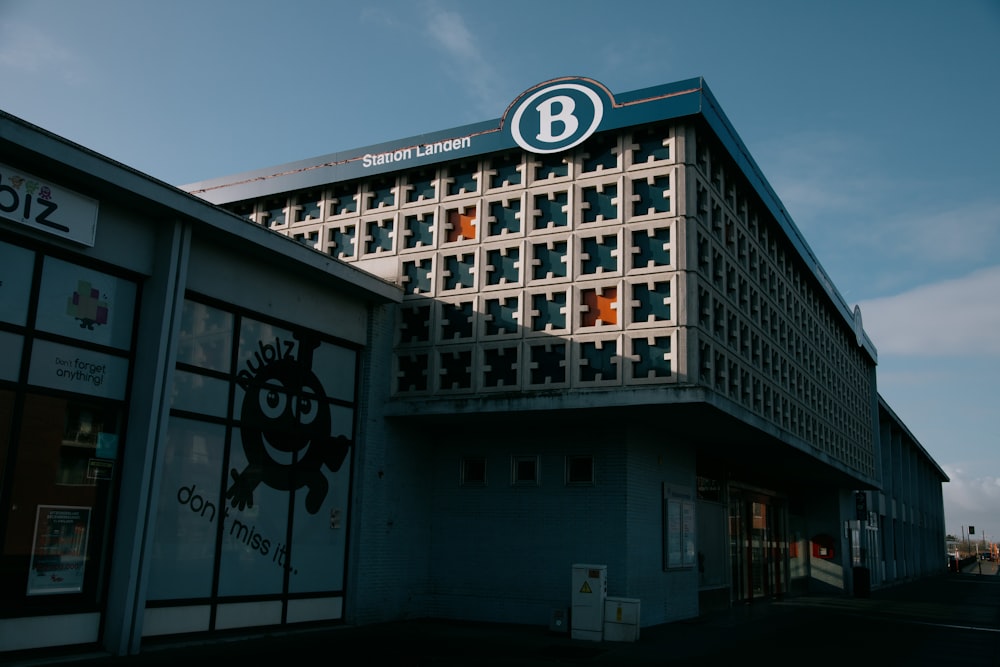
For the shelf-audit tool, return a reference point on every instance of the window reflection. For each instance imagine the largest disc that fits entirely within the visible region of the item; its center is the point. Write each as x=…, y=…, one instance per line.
x=206, y=337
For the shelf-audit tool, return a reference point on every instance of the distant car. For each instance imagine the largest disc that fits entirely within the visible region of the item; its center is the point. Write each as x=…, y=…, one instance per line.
x=952, y=563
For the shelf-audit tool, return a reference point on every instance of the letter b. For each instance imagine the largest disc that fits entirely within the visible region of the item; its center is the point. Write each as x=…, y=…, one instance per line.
x=548, y=117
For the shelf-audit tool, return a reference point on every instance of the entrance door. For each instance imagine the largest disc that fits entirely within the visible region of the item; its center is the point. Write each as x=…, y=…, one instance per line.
x=758, y=545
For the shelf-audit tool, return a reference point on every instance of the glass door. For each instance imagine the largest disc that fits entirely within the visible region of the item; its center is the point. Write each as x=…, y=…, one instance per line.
x=759, y=551
x=758, y=546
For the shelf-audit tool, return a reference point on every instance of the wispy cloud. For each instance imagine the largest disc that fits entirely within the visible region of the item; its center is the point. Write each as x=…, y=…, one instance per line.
x=451, y=34
x=831, y=181
x=445, y=30
x=872, y=218
x=906, y=247
x=959, y=317
x=814, y=172
x=969, y=231
x=470, y=65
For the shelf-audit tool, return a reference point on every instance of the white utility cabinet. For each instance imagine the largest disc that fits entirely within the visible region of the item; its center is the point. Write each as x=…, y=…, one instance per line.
x=590, y=590
x=621, y=619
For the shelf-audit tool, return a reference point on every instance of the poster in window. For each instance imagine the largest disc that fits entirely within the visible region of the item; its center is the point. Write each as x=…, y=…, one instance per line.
x=59, y=553
x=673, y=533
x=689, y=553
x=85, y=304
x=679, y=547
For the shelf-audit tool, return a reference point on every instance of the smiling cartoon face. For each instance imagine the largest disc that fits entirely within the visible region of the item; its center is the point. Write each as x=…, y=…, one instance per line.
x=284, y=414
x=286, y=425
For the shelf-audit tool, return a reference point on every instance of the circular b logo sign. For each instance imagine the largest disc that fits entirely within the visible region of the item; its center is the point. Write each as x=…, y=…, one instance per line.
x=556, y=118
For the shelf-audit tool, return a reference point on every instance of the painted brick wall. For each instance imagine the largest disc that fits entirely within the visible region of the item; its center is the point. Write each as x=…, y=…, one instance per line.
x=390, y=516
x=505, y=553
x=655, y=459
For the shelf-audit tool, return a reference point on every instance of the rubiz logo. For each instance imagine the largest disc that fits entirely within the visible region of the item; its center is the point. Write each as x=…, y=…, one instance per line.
x=556, y=117
x=20, y=196
x=31, y=201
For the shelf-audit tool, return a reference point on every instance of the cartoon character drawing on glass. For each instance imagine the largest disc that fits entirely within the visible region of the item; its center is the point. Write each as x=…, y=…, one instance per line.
x=286, y=429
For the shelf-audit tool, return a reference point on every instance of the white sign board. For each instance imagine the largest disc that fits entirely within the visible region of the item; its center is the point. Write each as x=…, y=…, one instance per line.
x=31, y=201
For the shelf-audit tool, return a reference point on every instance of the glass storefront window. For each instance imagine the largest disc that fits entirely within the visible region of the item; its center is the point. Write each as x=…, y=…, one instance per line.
x=16, y=267
x=188, y=511
x=6, y=413
x=61, y=497
x=85, y=304
x=193, y=392
x=261, y=502
x=71, y=368
x=60, y=450
x=206, y=337
x=254, y=538
x=10, y=360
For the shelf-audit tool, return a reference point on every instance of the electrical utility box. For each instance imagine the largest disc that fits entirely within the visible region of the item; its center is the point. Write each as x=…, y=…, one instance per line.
x=590, y=590
x=621, y=619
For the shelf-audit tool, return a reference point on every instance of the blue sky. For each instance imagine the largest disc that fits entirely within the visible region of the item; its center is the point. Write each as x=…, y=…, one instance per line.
x=875, y=121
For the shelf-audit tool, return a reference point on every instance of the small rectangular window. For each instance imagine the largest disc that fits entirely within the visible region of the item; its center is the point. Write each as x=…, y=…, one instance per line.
x=524, y=471
x=580, y=470
x=473, y=472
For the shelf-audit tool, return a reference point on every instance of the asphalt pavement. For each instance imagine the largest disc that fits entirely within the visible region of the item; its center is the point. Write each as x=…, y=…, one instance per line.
x=949, y=619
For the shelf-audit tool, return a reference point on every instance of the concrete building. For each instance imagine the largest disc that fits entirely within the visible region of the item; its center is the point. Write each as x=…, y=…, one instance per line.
x=509, y=370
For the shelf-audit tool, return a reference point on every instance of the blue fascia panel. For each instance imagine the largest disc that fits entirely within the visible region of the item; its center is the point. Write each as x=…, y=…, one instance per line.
x=636, y=108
